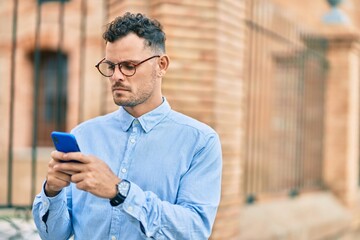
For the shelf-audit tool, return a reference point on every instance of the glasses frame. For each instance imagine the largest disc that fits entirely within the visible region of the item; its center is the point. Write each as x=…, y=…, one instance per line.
x=119, y=66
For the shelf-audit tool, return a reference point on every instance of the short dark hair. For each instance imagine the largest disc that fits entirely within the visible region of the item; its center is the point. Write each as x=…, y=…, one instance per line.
x=142, y=26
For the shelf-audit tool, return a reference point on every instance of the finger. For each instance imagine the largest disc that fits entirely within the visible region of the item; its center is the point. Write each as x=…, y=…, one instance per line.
x=69, y=173
x=101, y=187
x=56, y=169
x=69, y=167
x=52, y=163
x=53, y=173
x=77, y=156
x=63, y=178
x=81, y=186
x=85, y=185
x=53, y=167
x=58, y=181
x=78, y=177
x=57, y=156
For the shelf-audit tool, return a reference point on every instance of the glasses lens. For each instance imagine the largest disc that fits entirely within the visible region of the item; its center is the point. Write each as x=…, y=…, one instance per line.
x=106, y=69
x=128, y=68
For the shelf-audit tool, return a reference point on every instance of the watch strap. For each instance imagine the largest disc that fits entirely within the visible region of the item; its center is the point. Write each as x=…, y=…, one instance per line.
x=119, y=198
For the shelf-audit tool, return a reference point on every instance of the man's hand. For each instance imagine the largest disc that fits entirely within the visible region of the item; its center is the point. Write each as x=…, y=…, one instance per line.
x=89, y=174
x=56, y=180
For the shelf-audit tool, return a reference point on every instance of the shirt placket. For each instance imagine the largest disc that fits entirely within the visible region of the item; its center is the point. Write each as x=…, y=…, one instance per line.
x=130, y=146
x=123, y=172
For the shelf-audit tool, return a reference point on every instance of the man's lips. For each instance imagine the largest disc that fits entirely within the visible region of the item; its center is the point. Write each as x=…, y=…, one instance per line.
x=120, y=89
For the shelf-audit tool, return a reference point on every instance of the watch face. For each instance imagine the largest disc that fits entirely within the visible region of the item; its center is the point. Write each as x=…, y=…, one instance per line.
x=123, y=188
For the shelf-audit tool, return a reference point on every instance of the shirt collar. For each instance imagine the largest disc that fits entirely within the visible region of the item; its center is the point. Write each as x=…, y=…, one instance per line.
x=147, y=121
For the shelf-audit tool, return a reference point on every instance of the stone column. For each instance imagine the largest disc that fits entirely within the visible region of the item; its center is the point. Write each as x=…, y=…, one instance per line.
x=206, y=42
x=341, y=143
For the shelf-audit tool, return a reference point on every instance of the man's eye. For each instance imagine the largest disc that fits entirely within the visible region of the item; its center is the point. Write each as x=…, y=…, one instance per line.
x=128, y=66
x=110, y=66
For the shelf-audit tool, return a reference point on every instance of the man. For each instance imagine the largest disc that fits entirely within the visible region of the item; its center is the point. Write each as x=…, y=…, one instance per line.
x=144, y=171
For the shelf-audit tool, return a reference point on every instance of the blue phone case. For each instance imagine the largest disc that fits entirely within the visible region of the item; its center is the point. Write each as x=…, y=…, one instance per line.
x=64, y=142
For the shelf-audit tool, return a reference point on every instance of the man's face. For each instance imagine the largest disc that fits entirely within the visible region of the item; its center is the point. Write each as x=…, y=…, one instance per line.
x=143, y=87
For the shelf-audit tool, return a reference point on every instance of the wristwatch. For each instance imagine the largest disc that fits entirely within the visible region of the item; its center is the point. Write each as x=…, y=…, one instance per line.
x=122, y=191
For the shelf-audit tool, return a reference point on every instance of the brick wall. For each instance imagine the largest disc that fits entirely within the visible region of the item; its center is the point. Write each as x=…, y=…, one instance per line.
x=229, y=111
x=205, y=42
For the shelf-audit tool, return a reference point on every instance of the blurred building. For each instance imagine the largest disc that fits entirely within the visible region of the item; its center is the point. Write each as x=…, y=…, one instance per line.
x=277, y=79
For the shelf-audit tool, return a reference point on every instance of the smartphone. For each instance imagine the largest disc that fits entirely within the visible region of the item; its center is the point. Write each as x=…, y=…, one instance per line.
x=65, y=142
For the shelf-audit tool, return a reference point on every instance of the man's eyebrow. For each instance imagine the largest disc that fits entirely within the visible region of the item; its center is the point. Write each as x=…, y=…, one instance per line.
x=124, y=61
x=130, y=60
x=108, y=61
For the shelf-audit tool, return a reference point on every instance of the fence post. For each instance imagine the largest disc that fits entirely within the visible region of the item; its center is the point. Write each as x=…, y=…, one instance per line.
x=341, y=143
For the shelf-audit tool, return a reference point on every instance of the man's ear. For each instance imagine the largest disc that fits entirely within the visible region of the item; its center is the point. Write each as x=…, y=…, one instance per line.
x=163, y=62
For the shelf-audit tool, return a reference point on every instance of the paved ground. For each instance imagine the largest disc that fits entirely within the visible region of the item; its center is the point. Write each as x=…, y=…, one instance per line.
x=17, y=229
x=17, y=225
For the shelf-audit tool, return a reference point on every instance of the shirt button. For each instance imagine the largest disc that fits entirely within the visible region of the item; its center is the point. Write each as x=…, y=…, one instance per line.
x=123, y=170
x=113, y=238
x=132, y=140
x=130, y=208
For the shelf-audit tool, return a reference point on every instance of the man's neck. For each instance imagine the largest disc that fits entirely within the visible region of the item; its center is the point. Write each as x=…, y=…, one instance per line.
x=141, y=109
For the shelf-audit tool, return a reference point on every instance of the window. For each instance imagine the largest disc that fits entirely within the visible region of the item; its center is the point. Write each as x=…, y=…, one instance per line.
x=52, y=95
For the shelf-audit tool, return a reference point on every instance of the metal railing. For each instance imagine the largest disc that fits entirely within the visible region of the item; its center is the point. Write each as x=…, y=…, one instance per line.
x=37, y=57
x=286, y=84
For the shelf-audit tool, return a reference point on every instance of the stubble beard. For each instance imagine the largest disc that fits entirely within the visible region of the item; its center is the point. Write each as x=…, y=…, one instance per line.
x=128, y=102
x=142, y=95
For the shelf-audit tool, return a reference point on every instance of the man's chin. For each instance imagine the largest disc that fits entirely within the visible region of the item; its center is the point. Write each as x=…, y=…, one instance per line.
x=120, y=100
x=123, y=103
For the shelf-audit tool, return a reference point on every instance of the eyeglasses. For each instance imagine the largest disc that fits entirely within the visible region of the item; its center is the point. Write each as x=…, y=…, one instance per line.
x=127, y=68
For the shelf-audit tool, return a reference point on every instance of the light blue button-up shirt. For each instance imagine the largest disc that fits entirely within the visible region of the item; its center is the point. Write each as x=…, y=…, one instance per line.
x=173, y=163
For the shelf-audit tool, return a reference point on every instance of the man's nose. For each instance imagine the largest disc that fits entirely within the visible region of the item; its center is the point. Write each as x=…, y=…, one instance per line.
x=118, y=75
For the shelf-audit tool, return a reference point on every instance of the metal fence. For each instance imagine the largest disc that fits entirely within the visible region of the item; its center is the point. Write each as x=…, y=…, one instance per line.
x=286, y=84
x=49, y=98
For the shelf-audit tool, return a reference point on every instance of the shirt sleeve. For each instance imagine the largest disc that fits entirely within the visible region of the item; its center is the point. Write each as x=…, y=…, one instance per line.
x=51, y=216
x=193, y=214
